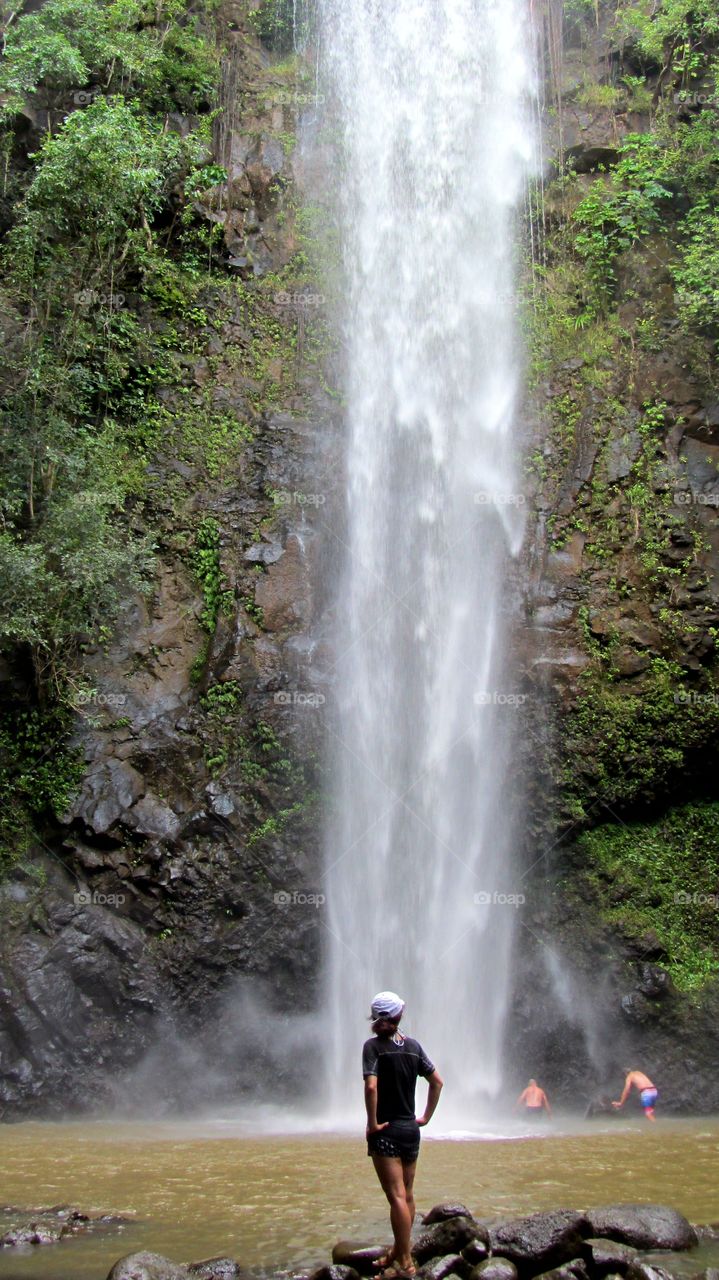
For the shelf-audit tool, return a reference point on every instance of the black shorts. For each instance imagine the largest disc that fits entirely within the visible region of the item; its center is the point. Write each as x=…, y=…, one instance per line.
x=400, y=1139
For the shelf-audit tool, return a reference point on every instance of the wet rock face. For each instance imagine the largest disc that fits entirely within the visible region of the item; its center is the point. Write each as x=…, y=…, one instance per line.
x=360, y=1257
x=446, y=1237
x=189, y=861
x=441, y=1212
x=643, y=1226
x=147, y=1266
x=542, y=1241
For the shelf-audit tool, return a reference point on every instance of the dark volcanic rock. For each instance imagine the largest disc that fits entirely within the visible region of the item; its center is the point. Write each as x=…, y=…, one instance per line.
x=147, y=1266
x=477, y=1250
x=441, y=1212
x=576, y=1270
x=449, y=1236
x=335, y=1272
x=216, y=1269
x=645, y=1226
x=646, y=1271
x=608, y=1257
x=360, y=1256
x=495, y=1269
x=542, y=1241
x=441, y=1268
x=33, y=1233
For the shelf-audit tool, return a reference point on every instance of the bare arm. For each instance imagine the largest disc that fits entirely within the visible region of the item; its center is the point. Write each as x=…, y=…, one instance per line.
x=625, y=1092
x=370, y=1101
x=545, y=1103
x=522, y=1098
x=436, y=1084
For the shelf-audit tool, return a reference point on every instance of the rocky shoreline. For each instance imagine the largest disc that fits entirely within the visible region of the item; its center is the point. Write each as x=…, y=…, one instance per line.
x=614, y=1242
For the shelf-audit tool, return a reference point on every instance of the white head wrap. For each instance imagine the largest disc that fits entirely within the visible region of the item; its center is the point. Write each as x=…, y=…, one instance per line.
x=387, y=1004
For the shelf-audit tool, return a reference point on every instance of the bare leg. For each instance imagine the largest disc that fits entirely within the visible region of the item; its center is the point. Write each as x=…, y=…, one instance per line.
x=408, y=1172
x=390, y=1173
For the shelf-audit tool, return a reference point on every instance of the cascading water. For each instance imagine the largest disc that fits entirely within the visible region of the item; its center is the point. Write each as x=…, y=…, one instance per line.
x=431, y=96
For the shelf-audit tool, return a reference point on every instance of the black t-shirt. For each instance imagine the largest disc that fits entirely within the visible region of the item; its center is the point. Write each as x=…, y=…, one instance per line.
x=396, y=1067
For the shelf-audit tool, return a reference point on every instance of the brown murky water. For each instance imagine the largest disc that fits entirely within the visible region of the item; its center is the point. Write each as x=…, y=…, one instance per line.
x=195, y=1190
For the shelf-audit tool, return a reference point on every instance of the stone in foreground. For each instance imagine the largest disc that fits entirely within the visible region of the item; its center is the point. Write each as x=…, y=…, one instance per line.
x=494, y=1269
x=147, y=1266
x=335, y=1272
x=360, y=1256
x=542, y=1241
x=608, y=1257
x=450, y=1236
x=576, y=1270
x=441, y=1212
x=644, y=1226
x=476, y=1251
x=441, y=1268
x=216, y=1269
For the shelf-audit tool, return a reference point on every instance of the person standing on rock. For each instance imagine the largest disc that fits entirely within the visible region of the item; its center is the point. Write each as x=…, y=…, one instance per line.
x=534, y=1100
x=391, y=1065
x=648, y=1092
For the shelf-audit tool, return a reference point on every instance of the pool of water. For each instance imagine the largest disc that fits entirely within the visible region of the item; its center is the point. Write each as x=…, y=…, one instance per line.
x=274, y=1201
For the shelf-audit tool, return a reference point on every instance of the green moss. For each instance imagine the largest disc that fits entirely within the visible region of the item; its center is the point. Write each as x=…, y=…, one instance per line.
x=623, y=744
x=40, y=773
x=663, y=877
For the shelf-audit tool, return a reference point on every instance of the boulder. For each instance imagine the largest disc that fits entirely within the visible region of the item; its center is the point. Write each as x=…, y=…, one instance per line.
x=607, y=1257
x=147, y=1266
x=646, y=1271
x=441, y=1212
x=33, y=1233
x=216, y=1269
x=542, y=1241
x=494, y=1269
x=359, y=1256
x=476, y=1251
x=442, y=1268
x=335, y=1272
x=645, y=1226
x=449, y=1236
x=576, y=1270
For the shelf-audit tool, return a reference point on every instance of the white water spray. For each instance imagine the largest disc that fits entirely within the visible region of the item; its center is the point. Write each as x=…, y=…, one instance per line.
x=431, y=97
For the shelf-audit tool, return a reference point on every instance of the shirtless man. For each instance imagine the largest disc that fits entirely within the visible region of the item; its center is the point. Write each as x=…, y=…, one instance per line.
x=534, y=1100
x=648, y=1092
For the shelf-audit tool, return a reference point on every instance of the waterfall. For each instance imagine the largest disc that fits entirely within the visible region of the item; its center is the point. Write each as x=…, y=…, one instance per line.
x=431, y=99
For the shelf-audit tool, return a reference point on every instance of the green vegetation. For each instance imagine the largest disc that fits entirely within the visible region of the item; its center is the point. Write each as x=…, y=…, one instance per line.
x=150, y=53
x=86, y=250
x=663, y=878
x=627, y=286
x=38, y=771
x=622, y=745
x=206, y=563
